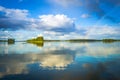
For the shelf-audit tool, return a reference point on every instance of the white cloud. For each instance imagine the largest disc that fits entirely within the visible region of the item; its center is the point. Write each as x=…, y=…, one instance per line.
x=52, y=33
x=54, y=20
x=1, y=8
x=14, y=19
x=72, y=35
x=14, y=13
x=17, y=19
x=60, y=21
x=51, y=26
x=85, y=16
x=48, y=25
x=103, y=30
x=100, y=32
x=66, y=3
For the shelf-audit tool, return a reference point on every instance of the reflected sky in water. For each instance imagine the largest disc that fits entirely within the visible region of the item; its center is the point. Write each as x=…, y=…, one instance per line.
x=60, y=61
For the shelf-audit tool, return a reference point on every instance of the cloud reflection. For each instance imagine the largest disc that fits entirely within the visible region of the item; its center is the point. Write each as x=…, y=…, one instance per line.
x=56, y=61
x=53, y=56
x=18, y=63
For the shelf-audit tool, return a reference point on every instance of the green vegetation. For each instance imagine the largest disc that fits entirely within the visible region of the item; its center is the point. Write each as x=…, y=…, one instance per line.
x=109, y=40
x=36, y=40
x=39, y=41
x=39, y=44
x=83, y=40
x=3, y=40
x=11, y=41
x=93, y=40
x=53, y=40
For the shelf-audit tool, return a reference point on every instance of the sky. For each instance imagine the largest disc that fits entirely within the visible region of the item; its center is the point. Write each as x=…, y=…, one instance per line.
x=60, y=19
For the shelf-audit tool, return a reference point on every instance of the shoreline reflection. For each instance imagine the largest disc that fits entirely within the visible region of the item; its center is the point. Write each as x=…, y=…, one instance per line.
x=86, y=61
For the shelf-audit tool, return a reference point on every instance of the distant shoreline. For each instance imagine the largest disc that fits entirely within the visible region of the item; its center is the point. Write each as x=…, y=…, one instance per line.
x=74, y=40
x=86, y=40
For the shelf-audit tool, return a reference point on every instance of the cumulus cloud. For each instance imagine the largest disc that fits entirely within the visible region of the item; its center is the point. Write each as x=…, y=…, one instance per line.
x=58, y=23
x=15, y=19
x=51, y=26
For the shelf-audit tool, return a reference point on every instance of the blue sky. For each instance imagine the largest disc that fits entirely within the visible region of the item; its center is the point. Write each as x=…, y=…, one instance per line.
x=60, y=19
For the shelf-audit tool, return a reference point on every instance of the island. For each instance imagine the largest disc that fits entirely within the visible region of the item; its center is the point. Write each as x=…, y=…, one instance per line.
x=39, y=41
x=9, y=40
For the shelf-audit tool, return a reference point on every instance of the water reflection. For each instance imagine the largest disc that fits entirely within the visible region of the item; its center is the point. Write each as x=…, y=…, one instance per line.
x=17, y=63
x=60, y=60
x=40, y=44
x=11, y=43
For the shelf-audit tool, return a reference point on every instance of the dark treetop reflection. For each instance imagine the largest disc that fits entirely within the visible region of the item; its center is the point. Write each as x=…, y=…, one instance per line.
x=60, y=61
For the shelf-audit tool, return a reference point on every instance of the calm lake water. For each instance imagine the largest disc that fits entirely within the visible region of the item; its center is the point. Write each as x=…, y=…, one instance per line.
x=60, y=61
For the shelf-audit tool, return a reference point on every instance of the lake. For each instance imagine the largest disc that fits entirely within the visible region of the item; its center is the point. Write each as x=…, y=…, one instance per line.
x=60, y=61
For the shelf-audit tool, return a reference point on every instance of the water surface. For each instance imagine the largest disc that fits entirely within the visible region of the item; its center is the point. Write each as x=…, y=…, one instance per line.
x=60, y=61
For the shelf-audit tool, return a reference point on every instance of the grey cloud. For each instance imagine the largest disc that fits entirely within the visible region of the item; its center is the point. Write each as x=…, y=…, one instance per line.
x=11, y=24
x=13, y=19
